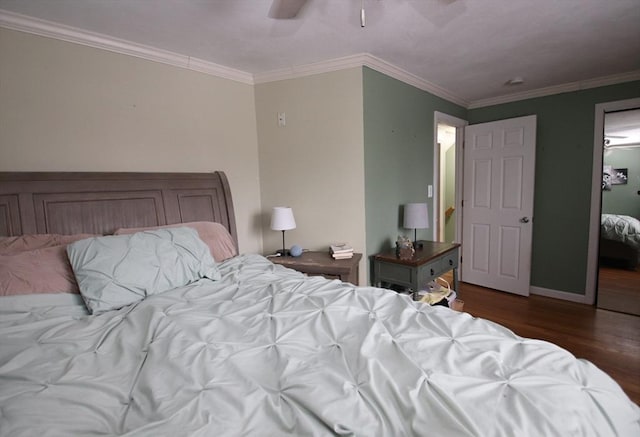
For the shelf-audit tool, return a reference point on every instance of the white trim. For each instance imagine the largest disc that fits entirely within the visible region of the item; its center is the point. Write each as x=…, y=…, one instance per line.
x=557, y=294
x=591, y=282
x=212, y=69
x=293, y=72
x=359, y=60
x=22, y=23
x=557, y=89
x=411, y=79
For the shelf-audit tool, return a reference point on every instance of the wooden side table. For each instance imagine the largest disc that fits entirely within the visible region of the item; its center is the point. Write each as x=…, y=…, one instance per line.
x=429, y=261
x=322, y=264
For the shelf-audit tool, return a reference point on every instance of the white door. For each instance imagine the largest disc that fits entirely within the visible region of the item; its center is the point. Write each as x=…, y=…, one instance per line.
x=499, y=162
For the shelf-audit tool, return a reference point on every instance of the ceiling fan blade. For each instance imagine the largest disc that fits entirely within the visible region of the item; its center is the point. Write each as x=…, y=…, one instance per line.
x=285, y=9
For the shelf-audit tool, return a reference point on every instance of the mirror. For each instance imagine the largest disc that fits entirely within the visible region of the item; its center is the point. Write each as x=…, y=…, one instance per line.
x=619, y=245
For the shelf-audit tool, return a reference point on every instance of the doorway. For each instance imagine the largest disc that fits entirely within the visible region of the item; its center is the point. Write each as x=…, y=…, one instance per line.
x=514, y=141
x=618, y=285
x=446, y=210
x=447, y=163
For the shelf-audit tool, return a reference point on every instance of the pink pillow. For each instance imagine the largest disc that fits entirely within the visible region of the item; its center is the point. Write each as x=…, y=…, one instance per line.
x=21, y=243
x=45, y=270
x=213, y=234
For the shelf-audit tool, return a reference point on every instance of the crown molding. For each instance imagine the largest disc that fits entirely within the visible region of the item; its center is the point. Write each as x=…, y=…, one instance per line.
x=558, y=89
x=218, y=70
x=359, y=60
x=23, y=23
x=411, y=79
x=296, y=71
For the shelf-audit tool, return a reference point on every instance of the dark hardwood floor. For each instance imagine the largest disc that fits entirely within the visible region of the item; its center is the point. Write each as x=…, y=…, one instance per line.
x=619, y=289
x=608, y=339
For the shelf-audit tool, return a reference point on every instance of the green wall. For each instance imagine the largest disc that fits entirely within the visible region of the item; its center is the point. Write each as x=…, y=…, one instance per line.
x=398, y=153
x=564, y=161
x=623, y=199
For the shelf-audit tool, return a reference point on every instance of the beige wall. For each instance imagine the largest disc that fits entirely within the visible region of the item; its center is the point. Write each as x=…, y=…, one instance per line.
x=67, y=107
x=314, y=164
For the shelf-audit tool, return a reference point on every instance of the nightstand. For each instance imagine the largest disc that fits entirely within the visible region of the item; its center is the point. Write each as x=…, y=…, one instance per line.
x=322, y=264
x=430, y=260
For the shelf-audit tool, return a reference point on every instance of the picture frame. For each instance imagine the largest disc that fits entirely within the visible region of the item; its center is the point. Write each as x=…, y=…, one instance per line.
x=619, y=176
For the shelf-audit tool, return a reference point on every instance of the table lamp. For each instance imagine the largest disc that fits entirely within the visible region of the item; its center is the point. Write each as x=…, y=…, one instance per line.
x=282, y=220
x=416, y=216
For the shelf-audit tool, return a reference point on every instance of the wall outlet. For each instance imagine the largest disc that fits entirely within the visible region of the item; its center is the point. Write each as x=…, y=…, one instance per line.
x=282, y=120
x=429, y=191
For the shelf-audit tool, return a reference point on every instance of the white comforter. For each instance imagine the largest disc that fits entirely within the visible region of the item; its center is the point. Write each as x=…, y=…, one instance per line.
x=267, y=351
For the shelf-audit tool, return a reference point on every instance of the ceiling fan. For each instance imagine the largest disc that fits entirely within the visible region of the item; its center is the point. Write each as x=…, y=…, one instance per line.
x=619, y=141
x=285, y=9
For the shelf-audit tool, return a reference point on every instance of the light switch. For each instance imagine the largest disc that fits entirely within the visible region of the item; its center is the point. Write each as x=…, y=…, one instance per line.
x=429, y=191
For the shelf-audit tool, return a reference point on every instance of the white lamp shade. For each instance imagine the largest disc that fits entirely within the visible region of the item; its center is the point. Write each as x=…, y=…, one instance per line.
x=282, y=219
x=416, y=216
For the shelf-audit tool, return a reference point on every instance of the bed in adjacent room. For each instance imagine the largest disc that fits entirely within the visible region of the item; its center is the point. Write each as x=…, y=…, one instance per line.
x=620, y=240
x=127, y=310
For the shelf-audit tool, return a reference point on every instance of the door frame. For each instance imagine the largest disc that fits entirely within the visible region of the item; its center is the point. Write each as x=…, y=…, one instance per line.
x=591, y=283
x=459, y=124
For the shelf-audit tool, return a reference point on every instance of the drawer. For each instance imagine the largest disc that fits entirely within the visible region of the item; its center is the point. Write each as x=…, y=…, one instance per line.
x=444, y=265
x=429, y=272
x=395, y=273
x=437, y=267
x=449, y=261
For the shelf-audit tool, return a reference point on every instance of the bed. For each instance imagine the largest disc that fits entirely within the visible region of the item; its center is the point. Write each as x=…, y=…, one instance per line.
x=620, y=240
x=231, y=344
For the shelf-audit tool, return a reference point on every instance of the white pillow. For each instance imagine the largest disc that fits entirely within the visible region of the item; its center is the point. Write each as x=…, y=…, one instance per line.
x=115, y=271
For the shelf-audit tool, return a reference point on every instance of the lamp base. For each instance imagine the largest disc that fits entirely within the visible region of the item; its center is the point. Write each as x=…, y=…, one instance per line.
x=283, y=252
x=416, y=244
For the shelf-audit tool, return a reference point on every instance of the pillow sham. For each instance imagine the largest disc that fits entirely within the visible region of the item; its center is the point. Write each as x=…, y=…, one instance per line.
x=21, y=243
x=45, y=270
x=115, y=271
x=216, y=236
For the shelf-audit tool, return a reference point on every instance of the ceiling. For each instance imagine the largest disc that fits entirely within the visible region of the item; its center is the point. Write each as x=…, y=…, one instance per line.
x=622, y=128
x=470, y=48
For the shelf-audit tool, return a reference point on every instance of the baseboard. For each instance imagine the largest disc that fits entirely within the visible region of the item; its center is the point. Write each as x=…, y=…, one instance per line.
x=557, y=294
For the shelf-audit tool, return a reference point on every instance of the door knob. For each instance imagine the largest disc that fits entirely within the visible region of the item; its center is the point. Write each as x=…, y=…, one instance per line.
x=524, y=220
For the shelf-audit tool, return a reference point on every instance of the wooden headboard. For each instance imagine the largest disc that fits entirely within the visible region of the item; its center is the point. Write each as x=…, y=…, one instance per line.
x=100, y=203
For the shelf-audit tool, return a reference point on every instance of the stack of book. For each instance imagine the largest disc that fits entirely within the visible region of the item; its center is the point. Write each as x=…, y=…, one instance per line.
x=341, y=251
